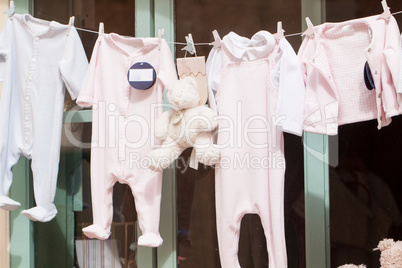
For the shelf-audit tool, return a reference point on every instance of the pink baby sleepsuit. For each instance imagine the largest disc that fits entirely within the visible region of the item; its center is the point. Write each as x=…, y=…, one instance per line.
x=259, y=86
x=333, y=60
x=38, y=60
x=121, y=129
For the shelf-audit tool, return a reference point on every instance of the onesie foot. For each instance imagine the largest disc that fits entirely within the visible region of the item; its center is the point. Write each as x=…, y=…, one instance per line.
x=150, y=240
x=209, y=157
x=8, y=204
x=95, y=231
x=40, y=214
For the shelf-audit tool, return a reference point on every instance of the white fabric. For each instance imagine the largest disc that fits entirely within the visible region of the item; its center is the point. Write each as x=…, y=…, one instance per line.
x=214, y=70
x=288, y=78
x=243, y=49
x=37, y=59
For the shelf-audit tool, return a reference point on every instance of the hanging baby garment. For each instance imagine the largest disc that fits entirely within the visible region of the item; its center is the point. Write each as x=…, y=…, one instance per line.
x=38, y=60
x=261, y=93
x=333, y=60
x=124, y=84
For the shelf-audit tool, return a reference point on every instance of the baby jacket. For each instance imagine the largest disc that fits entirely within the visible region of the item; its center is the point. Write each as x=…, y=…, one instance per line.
x=333, y=60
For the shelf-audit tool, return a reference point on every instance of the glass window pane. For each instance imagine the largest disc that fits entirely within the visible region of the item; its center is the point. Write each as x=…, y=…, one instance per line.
x=197, y=235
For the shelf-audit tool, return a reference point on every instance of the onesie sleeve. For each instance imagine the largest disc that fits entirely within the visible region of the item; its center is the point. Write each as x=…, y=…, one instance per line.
x=288, y=77
x=214, y=67
x=86, y=96
x=74, y=64
x=389, y=68
x=167, y=69
x=310, y=76
x=5, y=45
x=399, y=86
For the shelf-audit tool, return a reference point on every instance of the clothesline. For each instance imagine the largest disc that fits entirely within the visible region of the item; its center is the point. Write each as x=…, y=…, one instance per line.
x=205, y=44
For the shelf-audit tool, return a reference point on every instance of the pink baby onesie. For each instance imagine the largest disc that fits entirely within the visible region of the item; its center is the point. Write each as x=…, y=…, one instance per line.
x=121, y=129
x=38, y=61
x=333, y=61
x=259, y=87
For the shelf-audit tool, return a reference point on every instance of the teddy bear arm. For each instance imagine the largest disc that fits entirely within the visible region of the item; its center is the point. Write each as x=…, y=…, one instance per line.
x=162, y=125
x=208, y=122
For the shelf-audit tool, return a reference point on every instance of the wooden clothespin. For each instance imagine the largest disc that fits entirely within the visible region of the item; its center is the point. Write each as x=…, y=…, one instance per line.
x=11, y=10
x=161, y=33
x=217, y=39
x=279, y=34
x=190, y=47
x=310, y=28
x=70, y=24
x=101, y=29
x=387, y=13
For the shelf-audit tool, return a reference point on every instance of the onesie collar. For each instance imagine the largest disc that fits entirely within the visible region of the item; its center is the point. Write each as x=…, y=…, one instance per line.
x=30, y=23
x=259, y=46
x=131, y=46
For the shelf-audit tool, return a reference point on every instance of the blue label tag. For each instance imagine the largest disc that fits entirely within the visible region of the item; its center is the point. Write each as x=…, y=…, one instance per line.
x=141, y=75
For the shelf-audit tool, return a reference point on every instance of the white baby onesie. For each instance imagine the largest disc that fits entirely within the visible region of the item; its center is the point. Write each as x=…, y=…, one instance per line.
x=38, y=59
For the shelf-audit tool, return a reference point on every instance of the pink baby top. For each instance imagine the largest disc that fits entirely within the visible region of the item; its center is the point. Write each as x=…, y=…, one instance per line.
x=333, y=60
x=121, y=127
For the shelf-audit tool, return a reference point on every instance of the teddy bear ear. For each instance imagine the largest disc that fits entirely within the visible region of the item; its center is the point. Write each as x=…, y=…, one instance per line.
x=385, y=244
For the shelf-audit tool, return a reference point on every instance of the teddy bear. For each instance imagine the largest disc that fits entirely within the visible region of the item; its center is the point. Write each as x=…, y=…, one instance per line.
x=187, y=124
x=391, y=253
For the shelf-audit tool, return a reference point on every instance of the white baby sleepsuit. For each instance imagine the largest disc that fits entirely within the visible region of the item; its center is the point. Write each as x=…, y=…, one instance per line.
x=259, y=86
x=37, y=60
x=121, y=129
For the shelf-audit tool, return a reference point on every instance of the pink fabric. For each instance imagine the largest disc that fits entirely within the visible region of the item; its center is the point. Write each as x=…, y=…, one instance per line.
x=250, y=177
x=121, y=129
x=333, y=62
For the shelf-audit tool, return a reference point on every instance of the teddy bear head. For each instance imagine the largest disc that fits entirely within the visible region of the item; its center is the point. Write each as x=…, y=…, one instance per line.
x=391, y=253
x=183, y=94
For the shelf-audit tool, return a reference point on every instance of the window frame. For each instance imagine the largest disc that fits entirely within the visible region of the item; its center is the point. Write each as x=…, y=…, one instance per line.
x=151, y=15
